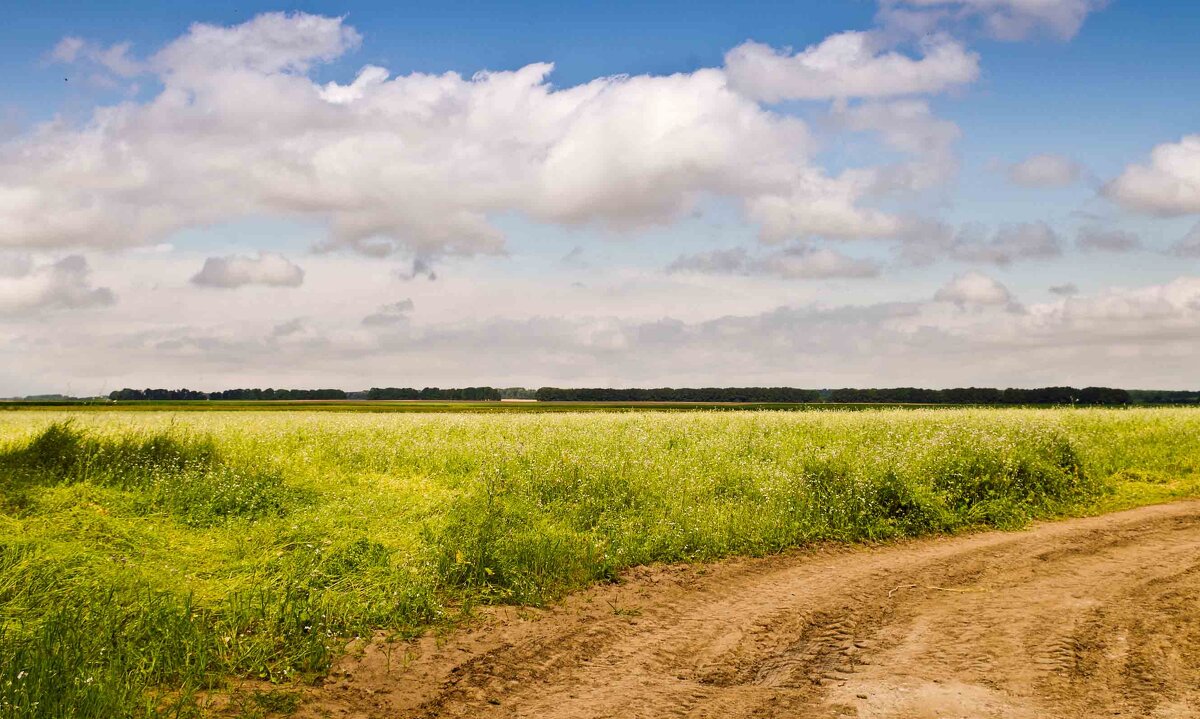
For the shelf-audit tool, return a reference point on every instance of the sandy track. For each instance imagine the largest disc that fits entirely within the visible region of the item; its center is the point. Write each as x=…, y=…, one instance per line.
x=1095, y=617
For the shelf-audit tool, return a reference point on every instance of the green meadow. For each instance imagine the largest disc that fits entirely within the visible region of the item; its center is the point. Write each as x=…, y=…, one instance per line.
x=150, y=560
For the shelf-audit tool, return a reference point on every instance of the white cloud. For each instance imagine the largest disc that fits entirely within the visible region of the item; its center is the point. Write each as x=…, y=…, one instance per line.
x=68, y=49
x=818, y=205
x=421, y=164
x=1010, y=243
x=1168, y=185
x=1002, y=19
x=1097, y=239
x=368, y=77
x=1045, y=171
x=1140, y=336
x=113, y=59
x=974, y=289
x=849, y=64
x=265, y=268
x=790, y=263
x=1189, y=244
x=926, y=242
x=392, y=314
x=27, y=286
x=1155, y=309
x=268, y=44
x=910, y=127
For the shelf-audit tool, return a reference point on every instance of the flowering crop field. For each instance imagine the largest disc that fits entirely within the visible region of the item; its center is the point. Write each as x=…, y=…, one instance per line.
x=149, y=558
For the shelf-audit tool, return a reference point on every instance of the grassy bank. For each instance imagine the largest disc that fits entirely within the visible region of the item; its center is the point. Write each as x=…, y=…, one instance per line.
x=147, y=558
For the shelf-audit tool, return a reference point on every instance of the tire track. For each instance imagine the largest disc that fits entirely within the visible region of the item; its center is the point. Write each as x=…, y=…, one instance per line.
x=1095, y=617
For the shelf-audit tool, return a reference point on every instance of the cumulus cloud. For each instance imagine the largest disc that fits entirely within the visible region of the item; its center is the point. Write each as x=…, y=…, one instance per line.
x=790, y=263
x=849, y=64
x=973, y=289
x=27, y=286
x=1045, y=171
x=1065, y=290
x=910, y=127
x=1009, y=244
x=114, y=59
x=1098, y=239
x=389, y=315
x=1120, y=336
x=923, y=242
x=68, y=49
x=1168, y=185
x=1163, y=309
x=265, y=268
x=268, y=44
x=369, y=76
x=421, y=164
x=1188, y=245
x=818, y=205
x=1002, y=19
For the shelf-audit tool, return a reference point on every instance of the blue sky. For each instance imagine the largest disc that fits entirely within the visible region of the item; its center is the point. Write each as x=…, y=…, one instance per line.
x=919, y=192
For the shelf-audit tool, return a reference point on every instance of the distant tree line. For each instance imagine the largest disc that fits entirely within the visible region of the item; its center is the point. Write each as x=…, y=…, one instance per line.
x=898, y=395
x=684, y=394
x=1154, y=396
x=477, y=394
x=260, y=394
x=269, y=394
x=159, y=394
x=985, y=395
x=474, y=394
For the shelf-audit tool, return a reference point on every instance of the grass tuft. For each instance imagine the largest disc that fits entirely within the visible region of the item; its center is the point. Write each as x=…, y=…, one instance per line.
x=167, y=471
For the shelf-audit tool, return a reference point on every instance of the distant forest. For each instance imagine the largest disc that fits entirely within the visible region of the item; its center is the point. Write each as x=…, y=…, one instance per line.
x=668, y=394
x=476, y=394
x=896, y=395
x=260, y=394
x=902, y=395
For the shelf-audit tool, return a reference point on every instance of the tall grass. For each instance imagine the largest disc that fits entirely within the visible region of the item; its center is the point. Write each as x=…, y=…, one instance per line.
x=146, y=560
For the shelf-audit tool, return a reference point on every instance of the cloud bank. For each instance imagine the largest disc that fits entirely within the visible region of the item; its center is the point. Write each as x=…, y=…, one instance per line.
x=974, y=289
x=27, y=286
x=974, y=326
x=265, y=268
x=421, y=164
x=1001, y=19
x=1168, y=185
x=790, y=263
x=849, y=64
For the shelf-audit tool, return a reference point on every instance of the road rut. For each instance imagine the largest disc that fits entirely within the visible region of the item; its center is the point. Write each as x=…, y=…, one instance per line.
x=1094, y=617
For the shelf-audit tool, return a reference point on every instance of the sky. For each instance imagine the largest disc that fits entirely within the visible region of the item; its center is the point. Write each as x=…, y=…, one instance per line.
x=834, y=193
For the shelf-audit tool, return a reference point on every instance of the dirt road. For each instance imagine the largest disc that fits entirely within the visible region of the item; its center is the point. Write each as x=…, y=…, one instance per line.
x=1096, y=617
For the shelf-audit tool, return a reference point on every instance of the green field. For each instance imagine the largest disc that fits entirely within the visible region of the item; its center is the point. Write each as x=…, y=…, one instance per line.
x=149, y=559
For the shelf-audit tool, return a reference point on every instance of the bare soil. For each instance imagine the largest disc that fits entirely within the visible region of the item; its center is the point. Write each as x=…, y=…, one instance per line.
x=1095, y=617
